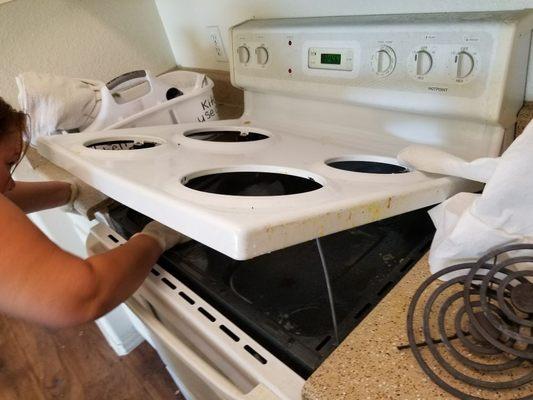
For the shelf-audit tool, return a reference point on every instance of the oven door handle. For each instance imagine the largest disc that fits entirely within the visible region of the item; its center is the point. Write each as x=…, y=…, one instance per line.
x=201, y=368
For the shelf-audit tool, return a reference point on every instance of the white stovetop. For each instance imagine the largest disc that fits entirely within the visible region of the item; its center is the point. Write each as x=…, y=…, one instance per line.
x=149, y=180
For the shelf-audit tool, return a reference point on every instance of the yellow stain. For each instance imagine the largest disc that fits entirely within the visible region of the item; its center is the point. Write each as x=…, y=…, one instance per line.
x=375, y=210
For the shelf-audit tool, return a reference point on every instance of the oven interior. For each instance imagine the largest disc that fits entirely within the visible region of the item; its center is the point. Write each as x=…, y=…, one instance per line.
x=281, y=300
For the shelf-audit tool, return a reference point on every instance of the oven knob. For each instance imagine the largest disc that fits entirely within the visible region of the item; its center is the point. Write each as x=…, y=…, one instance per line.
x=262, y=55
x=424, y=62
x=244, y=54
x=465, y=64
x=383, y=61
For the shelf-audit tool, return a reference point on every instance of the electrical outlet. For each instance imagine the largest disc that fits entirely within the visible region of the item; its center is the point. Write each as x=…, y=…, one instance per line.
x=216, y=41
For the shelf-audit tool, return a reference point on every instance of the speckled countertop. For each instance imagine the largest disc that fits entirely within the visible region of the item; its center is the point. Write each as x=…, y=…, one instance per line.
x=369, y=365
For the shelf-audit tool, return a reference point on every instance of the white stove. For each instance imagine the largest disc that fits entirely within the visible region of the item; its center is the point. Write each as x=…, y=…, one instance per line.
x=313, y=88
x=329, y=103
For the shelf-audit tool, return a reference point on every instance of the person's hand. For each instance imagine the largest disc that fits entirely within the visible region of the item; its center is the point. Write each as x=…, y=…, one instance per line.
x=165, y=236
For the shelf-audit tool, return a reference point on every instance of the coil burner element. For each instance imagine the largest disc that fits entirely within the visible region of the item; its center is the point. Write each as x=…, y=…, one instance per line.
x=476, y=338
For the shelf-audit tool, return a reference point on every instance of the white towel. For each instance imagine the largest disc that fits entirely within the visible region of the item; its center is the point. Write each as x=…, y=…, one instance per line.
x=468, y=225
x=57, y=103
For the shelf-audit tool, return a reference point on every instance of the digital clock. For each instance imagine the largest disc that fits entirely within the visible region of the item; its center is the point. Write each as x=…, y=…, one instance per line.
x=330, y=58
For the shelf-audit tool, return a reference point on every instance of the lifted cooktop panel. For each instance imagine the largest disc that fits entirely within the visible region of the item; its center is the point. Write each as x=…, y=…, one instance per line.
x=148, y=169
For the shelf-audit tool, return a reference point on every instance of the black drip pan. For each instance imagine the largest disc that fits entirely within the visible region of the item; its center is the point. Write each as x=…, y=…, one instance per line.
x=368, y=167
x=247, y=183
x=122, y=144
x=226, y=136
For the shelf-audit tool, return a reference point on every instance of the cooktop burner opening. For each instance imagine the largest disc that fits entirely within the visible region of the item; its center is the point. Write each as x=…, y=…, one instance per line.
x=368, y=165
x=121, y=144
x=225, y=135
x=251, y=183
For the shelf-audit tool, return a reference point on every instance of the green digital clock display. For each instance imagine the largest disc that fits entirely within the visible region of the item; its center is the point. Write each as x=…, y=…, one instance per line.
x=330, y=58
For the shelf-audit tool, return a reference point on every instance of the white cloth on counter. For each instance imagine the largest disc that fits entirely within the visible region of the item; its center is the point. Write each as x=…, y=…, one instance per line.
x=469, y=225
x=56, y=103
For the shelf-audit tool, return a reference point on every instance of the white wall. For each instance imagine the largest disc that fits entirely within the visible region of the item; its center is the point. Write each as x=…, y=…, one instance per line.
x=97, y=39
x=185, y=21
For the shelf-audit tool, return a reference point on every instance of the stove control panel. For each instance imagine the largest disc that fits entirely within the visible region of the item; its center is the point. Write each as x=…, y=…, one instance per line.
x=415, y=63
x=406, y=61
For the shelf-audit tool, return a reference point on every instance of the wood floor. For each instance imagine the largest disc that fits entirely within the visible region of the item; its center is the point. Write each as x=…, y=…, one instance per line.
x=39, y=363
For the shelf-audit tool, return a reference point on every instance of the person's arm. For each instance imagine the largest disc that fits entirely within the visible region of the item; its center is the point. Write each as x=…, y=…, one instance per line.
x=40, y=282
x=37, y=196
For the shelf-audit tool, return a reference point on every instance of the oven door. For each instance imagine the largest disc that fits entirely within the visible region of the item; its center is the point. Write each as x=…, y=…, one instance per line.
x=206, y=354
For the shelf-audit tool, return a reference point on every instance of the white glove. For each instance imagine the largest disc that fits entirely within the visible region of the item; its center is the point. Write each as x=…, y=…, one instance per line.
x=166, y=237
x=436, y=161
x=74, y=192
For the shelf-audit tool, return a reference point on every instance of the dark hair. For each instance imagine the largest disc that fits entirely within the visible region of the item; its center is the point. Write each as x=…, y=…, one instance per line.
x=13, y=121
